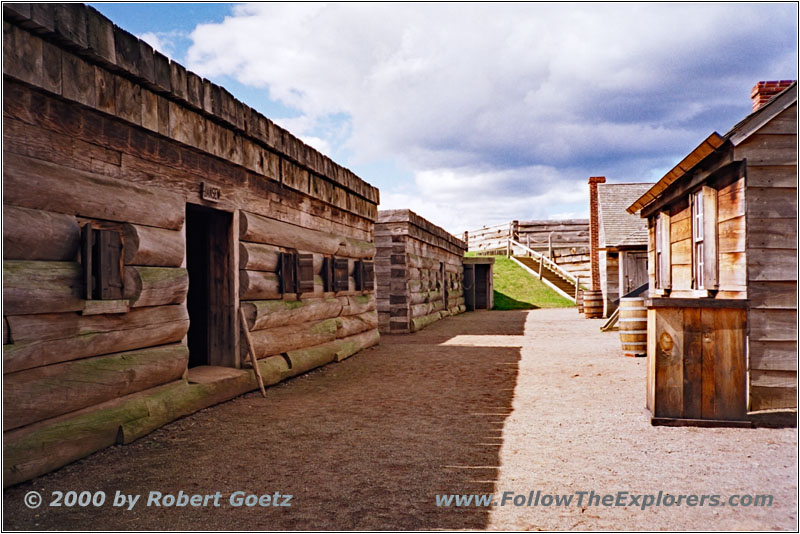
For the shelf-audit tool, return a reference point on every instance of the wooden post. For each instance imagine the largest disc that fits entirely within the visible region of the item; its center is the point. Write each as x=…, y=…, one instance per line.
x=541, y=263
x=577, y=286
x=550, y=245
x=251, y=351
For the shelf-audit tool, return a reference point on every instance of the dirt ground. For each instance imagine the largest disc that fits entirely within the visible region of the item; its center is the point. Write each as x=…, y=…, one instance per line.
x=485, y=402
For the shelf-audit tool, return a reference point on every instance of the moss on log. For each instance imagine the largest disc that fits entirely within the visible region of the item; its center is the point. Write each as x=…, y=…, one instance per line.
x=42, y=287
x=262, y=314
x=44, y=392
x=258, y=285
x=274, y=341
x=53, y=338
x=418, y=323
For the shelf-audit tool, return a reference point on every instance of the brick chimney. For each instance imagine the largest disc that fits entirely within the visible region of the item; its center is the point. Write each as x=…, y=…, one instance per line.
x=594, y=230
x=763, y=92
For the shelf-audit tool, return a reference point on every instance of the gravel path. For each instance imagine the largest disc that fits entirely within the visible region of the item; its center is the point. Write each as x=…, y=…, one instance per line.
x=485, y=402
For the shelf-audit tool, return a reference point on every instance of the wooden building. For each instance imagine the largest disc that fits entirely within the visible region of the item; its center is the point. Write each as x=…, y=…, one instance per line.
x=722, y=317
x=152, y=224
x=419, y=272
x=621, y=258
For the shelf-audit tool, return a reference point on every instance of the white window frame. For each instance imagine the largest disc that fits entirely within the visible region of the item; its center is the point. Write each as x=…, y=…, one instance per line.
x=698, y=224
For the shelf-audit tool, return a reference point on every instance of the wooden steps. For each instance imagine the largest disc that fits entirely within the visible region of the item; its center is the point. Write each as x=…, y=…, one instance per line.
x=554, y=278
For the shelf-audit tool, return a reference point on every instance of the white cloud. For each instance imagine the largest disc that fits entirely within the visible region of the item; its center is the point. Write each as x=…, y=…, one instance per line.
x=475, y=98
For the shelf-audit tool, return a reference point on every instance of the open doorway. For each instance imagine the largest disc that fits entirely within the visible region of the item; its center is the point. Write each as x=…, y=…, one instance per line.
x=210, y=299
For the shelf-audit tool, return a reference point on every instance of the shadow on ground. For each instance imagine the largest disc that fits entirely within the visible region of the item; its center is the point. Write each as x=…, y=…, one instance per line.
x=365, y=444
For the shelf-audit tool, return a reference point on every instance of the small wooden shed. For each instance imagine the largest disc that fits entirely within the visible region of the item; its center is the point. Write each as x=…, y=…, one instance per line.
x=150, y=221
x=419, y=272
x=621, y=261
x=478, y=283
x=722, y=317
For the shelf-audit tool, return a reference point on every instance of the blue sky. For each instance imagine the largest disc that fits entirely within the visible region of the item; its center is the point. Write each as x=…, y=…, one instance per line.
x=475, y=114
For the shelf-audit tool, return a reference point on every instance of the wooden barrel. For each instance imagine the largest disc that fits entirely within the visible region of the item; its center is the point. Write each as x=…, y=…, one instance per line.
x=633, y=326
x=579, y=301
x=592, y=304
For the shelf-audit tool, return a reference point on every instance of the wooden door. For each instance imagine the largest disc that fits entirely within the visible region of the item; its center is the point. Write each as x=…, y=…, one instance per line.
x=211, y=336
x=634, y=271
x=469, y=287
x=481, y=287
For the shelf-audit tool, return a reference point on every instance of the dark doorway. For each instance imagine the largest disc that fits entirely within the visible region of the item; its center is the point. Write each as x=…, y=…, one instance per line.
x=481, y=287
x=210, y=298
x=469, y=286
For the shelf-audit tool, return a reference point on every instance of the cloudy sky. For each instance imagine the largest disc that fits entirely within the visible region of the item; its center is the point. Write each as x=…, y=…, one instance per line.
x=476, y=114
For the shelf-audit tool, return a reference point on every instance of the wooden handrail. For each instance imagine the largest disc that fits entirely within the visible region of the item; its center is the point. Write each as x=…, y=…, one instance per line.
x=553, y=266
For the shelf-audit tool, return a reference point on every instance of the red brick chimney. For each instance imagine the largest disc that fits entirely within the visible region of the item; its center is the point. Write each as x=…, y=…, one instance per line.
x=763, y=92
x=594, y=230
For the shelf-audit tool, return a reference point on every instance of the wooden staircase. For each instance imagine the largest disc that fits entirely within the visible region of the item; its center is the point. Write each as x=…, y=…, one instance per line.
x=543, y=268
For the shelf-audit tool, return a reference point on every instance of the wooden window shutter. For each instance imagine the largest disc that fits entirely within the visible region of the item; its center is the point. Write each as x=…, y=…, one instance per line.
x=666, y=252
x=358, y=275
x=369, y=276
x=101, y=256
x=87, y=244
x=305, y=273
x=288, y=274
x=710, y=257
x=107, y=263
x=340, y=281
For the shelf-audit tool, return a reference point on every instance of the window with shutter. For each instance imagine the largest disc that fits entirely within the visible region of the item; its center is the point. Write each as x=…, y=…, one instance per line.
x=305, y=273
x=101, y=256
x=340, y=281
x=369, y=276
x=288, y=272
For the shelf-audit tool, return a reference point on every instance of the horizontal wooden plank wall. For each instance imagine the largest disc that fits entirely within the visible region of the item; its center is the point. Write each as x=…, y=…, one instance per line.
x=95, y=133
x=771, y=261
x=411, y=285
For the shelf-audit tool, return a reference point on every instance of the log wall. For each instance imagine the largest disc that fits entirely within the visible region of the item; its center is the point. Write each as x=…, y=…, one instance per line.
x=419, y=271
x=98, y=128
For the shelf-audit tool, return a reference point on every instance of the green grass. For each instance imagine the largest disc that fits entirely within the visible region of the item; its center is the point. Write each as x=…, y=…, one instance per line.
x=516, y=289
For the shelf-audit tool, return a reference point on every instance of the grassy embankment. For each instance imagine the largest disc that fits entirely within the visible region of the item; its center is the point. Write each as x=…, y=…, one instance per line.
x=515, y=289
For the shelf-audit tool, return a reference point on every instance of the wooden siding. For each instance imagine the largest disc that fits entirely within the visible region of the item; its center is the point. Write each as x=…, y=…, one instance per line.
x=771, y=260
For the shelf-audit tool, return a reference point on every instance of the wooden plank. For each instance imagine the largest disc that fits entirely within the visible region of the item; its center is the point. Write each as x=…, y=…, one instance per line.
x=107, y=264
x=771, y=265
x=729, y=364
x=46, y=339
x=708, y=408
x=682, y=252
x=769, y=149
x=730, y=205
x=732, y=270
x=773, y=355
x=36, y=394
x=37, y=184
x=669, y=363
x=732, y=235
x=39, y=235
x=772, y=176
x=771, y=233
x=692, y=363
x=783, y=123
x=775, y=295
x=681, y=277
x=773, y=324
x=42, y=287
x=769, y=398
x=251, y=353
x=772, y=202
